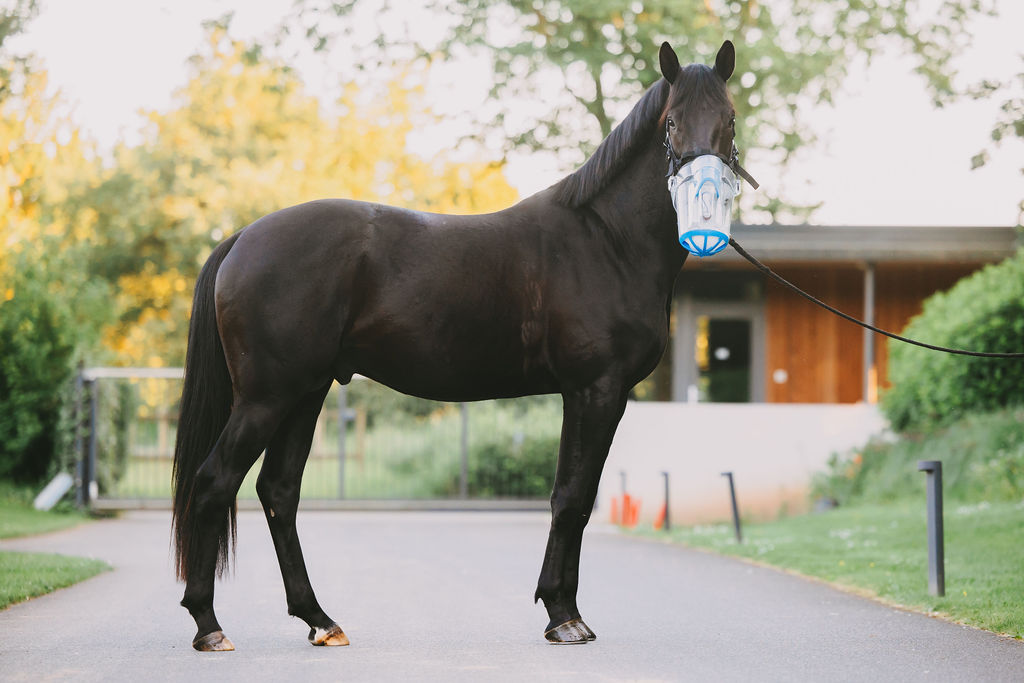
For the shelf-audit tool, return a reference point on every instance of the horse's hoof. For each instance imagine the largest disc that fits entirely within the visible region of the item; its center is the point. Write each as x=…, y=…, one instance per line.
x=572, y=632
x=330, y=636
x=213, y=642
x=586, y=630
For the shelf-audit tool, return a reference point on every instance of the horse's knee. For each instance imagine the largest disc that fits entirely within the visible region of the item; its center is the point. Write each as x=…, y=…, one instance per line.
x=569, y=512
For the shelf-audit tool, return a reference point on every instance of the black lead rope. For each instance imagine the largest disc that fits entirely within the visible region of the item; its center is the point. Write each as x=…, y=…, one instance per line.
x=781, y=280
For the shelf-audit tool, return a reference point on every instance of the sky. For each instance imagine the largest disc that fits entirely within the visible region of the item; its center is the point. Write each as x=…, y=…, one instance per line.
x=884, y=156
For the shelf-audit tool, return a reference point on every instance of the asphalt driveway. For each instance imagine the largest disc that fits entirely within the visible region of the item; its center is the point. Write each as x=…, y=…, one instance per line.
x=448, y=596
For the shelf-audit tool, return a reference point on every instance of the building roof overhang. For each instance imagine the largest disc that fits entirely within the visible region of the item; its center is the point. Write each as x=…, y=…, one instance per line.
x=872, y=244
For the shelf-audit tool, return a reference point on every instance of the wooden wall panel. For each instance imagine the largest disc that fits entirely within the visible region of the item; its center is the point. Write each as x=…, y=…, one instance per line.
x=900, y=291
x=821, y=353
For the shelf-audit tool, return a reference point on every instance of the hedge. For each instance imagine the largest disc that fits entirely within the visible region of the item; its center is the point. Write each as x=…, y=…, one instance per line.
x=982, y=312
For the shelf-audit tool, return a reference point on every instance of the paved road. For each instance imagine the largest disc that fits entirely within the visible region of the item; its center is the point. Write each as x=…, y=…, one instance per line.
x=447, y=597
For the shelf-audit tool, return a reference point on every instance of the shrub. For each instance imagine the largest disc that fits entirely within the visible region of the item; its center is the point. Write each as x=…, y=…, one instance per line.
x=513, y=449
x=37, y=348
x=982, y=312
x=982, y=459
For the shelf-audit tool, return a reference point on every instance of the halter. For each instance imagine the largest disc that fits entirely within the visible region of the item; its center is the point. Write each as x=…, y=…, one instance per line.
x=675, y=162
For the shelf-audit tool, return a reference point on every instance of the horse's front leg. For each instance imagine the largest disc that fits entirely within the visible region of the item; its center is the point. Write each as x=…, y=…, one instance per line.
x=590, y=417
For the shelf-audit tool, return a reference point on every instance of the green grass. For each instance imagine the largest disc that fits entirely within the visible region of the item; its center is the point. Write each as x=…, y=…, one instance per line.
x=982, y=459
x=27, y=575
x=19, y=518
x=881, y=550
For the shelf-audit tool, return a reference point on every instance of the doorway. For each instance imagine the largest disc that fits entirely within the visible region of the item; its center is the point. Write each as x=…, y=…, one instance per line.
x=718, y=352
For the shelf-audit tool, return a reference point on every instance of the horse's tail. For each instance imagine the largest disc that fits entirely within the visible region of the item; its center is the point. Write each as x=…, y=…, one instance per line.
x=205, y=407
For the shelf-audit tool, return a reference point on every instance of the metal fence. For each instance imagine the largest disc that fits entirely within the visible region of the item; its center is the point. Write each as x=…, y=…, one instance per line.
x=370, y=444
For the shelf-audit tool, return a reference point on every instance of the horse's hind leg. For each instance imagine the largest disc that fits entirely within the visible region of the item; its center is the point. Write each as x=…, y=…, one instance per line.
x=216, y=485
x=278, y=487
x=588, y=425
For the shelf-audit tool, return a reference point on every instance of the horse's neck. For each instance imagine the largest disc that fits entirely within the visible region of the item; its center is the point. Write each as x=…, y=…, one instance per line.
x=637, y=208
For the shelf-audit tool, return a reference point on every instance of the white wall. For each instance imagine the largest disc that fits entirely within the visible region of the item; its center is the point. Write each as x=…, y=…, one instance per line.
x=772, y=450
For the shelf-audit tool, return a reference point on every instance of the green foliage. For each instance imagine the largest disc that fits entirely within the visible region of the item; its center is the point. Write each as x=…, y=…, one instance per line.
x=520, y=467
x=37, y=349
x=983, y=312
x=982, y=460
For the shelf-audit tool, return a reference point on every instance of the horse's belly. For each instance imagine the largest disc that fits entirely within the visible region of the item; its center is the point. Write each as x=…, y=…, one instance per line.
x=446, y=367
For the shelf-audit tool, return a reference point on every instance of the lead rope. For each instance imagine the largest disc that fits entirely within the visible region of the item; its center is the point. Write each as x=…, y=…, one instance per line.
x=781, y=280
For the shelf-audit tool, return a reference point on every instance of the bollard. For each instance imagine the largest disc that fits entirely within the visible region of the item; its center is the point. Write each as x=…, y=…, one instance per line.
x=936, y=550
x=668, y=514
x=735, y=508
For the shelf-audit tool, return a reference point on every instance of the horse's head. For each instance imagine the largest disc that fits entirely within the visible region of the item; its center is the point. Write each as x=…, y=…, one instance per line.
x=699, y=117
x=700, y=129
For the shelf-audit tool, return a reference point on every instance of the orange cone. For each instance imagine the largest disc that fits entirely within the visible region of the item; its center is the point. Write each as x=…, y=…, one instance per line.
x=659, y=521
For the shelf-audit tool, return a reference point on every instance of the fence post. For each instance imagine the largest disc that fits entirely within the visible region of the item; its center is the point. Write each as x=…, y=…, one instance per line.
x=735, y=507
x=668, y=514
x=89, y=485
x=77, y=441
x=936, y=550
x=342, y=433
x=464, y=450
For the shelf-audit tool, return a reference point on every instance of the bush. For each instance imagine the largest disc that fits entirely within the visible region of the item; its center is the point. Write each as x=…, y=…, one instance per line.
x=982, y=312
x=37, y=350
x=49, y=314
x=513, y=449
x=982, y=460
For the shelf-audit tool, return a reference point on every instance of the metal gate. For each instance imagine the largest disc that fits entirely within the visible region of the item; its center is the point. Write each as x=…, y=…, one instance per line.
x=370, y=444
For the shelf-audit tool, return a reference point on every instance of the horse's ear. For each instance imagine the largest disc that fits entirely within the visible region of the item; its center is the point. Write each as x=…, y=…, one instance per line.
x=725, y=61
x=669, y=62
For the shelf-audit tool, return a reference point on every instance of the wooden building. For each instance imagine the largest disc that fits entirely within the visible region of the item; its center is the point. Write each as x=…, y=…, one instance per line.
x=739, y=337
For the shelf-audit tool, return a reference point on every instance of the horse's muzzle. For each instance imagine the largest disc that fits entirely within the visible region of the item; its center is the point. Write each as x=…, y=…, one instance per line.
x=702, y=192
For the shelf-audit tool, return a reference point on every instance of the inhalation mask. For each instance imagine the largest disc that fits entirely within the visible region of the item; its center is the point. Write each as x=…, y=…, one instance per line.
x=702, y=192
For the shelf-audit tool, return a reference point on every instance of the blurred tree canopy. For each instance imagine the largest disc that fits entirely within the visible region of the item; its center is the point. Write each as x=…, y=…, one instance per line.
x=1009, y=123
x=581, y=63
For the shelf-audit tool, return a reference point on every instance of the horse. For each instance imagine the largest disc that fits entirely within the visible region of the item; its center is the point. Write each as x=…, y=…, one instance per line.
x=568, y=292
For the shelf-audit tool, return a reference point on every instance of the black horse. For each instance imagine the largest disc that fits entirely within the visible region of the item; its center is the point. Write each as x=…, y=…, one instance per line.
x=566, y=292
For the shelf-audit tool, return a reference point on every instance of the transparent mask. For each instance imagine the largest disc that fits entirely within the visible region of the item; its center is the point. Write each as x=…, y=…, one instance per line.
x=702, y=194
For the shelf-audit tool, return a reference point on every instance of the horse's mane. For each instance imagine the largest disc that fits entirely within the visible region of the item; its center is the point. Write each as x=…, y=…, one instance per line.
x=692, y=83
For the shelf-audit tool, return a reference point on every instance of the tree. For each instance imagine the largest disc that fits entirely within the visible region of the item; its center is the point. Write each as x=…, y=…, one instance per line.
x=1010, y=121
x=581, y=63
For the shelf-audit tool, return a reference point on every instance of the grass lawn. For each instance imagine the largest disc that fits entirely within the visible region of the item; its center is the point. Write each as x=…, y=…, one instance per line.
x=27, y=575
x=881, y=550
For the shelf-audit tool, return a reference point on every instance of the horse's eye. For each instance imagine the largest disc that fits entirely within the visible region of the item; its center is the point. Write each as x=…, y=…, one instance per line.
x=671, y=123
x=732, y=122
